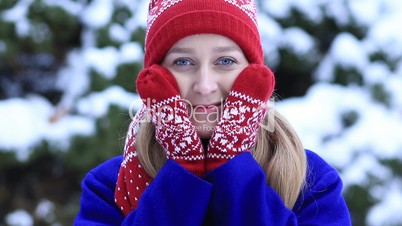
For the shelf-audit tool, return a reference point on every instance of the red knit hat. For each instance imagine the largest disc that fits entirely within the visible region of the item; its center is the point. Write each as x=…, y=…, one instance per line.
x=171, y=20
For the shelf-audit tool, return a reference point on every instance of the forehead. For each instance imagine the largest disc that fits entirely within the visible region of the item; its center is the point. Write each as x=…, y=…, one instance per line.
x=207, y=40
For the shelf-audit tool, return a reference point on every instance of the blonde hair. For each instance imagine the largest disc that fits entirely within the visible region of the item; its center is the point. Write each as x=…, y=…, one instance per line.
x=278, y=151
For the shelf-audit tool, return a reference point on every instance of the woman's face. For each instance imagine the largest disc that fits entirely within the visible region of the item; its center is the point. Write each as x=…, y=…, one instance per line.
x=205, y=67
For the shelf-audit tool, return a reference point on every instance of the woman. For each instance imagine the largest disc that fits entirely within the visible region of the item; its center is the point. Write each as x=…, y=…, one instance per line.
x=203, y=150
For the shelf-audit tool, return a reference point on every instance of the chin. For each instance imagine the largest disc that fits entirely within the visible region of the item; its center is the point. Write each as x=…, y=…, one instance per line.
x=205, y=124
x=204, y=134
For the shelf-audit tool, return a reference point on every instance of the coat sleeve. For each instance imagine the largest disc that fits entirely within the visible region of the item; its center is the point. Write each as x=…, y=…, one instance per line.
x=175, y=197
x=321, y=202
x=241, y=197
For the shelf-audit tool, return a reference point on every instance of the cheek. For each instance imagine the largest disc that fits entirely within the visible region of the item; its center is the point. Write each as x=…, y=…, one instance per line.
x=184, y=84
x=227, y=81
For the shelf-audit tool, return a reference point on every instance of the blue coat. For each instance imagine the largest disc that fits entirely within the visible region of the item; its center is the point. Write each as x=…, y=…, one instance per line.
x=234, y=194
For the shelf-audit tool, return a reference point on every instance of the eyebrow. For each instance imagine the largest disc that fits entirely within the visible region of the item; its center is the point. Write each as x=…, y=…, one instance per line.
x=225, y=49
x=180, y=50
x=215, y=50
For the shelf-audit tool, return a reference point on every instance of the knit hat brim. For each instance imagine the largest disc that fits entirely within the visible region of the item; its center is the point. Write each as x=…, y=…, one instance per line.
x=203, y=22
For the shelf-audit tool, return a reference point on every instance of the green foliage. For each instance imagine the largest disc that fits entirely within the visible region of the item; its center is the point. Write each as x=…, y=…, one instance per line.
x=53, y=29
x=44, y=176
x=52, y=33
x=126, y=76
x=395, y=165
x=121, y=15
x=139, y=36
x=103, y=38
x=349, y=118
x=380, y=95
x=98, y=82
x=8, y=35
x=87, y=152
x=8, y=158
x=358, y=198
x=324, y=31
x=391, y=62
x=54, y=174
x=347, y=76
x=294, y=80
x=7, y=4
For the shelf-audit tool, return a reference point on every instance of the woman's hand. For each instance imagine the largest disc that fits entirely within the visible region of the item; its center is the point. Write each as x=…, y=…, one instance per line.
x=174, y=131
x=243, y=112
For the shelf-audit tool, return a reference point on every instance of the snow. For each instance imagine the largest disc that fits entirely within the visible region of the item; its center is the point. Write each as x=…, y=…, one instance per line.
x=72, y=7
x=355, y=150
x=376, y=73
x=106, y=60
x=140, y=16
x=377, y=130
x=17, y=12
x=98, y=13
x=310, y=9
x=316, y=117
x=103, y=60
x=282, y=8
x=337, y=10
x=18, y=15
x=19, y=218
x=45, y=210
x=271, y=34
x=347, y=52
x=297, y=40
x=22, y=118
x=97, y=104
x=365, y=12
x=385, y=35
x=277, y=8
x=119, y=33
x=356, y=173
x=388, y=211
x=321, y=107
x=26, y=122
x=73, y=79
x=131, y=52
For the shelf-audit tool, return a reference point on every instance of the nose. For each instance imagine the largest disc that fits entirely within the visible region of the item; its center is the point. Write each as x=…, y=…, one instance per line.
x=205, y=82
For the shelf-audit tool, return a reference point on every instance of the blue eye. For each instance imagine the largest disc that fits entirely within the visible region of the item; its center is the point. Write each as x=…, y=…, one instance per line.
x=182, y=62
x=226, y=61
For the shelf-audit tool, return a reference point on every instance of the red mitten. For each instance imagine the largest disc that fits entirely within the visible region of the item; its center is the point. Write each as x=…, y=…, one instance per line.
x=174, y=131
x=243, y=112
x=132, y=179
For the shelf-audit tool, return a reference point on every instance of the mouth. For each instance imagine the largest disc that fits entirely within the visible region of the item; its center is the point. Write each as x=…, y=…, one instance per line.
x=216, y=104
x=207, y=108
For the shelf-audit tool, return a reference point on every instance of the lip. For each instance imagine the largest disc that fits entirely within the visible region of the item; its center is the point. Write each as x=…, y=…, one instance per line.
x=207, y=108
x=208, y=105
